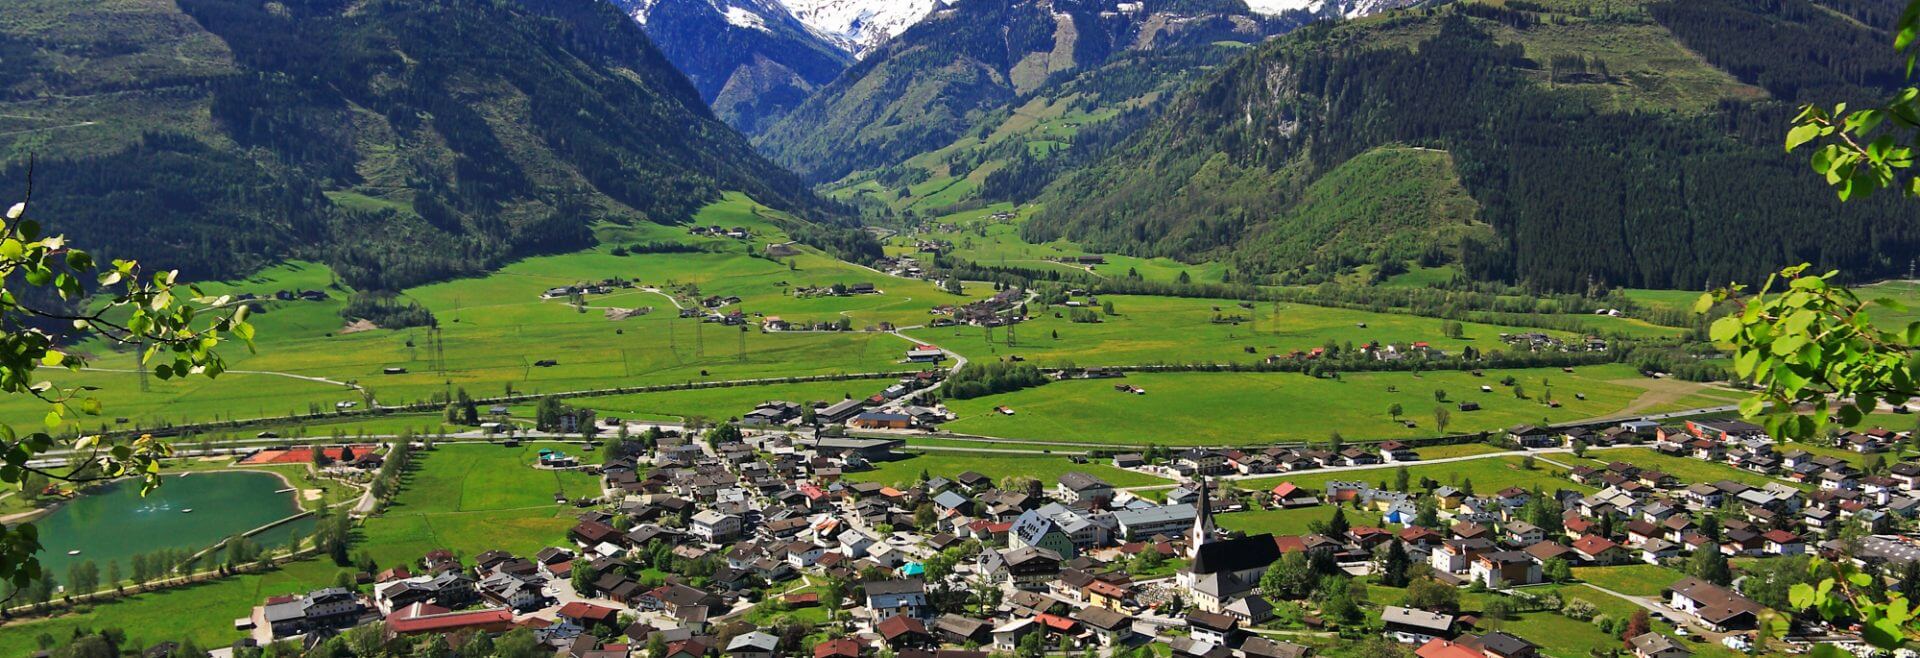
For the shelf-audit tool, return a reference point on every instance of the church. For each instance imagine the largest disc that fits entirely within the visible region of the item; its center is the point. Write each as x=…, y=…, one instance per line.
x=1221, y=570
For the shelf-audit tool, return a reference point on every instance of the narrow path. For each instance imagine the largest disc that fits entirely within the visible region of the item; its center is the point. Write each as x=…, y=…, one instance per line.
x=1376, y=467
x=311, y=378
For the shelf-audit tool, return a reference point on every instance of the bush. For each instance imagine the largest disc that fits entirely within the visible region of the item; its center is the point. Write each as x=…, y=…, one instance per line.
x=1579, y=610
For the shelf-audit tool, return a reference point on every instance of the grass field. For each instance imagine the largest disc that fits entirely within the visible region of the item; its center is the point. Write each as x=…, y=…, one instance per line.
x=1631, y=579
x=494, y=328
x=1223, y=408
x=1149, y=329
x=1292, y=521
x=1047, y=469
x=979, y=238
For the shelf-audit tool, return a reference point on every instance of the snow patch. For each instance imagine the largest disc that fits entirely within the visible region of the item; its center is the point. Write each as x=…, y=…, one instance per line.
x=1273, y=7
x=740, y=17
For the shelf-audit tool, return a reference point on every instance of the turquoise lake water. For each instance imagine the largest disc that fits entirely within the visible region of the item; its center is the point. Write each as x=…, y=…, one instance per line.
x=117, y=523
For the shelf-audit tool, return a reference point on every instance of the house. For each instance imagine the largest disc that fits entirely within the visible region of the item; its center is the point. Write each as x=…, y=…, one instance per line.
x=1111, y=627
x=1027, y=567
x=322, y=609
x=1595, y=549
x=422, y=618
x=715, y=527
x=1655, y=645
x=1715, y=607
x=753, y=644
x=1532, y=436
x=1261, y=647
x=587, y=615
x=1505, y=569
x=955, y=629
x=837, y=648
x=903, y=631
x=1212, y=627
x=1037, y=530
x=875, y=420
x=1781, y=542
x=1006, y=637
x=1287, y=495
x=1395, y=452
x=1201, y=461
x=888, y=598
x=1250, y=610
x=1075, y=486
x=1414, y=626
x=1135, y=524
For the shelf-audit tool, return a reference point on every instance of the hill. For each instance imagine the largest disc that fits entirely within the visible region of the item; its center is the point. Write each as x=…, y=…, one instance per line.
x=751, y=60
x=935, y=82
x=1632, y=144
x=397, y=141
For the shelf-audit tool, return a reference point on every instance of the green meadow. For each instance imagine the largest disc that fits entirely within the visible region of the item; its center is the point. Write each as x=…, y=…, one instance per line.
x=1240, y=408
x=494, y=328
x=1151, y=329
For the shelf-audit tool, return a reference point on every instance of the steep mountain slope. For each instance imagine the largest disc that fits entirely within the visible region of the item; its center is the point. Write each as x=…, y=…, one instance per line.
x=926, y=87
x=751, y=60
x=1599, y=147
x=399, y=141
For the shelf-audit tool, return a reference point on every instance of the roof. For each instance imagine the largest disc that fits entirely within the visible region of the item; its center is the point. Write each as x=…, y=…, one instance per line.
x=584, y=610
x=1438, y=648
x=897, y=586
x=836, y=647
x=1260, y=647
x=1417, y=618
x=1715, y=604
x=1236, y=554
x=1102, y=618
x=1650, y=643
x=1078, y=481
x=424, y=618
x=898, y=625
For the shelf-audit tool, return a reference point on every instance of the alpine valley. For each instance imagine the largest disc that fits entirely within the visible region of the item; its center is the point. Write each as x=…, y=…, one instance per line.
x=959, y=328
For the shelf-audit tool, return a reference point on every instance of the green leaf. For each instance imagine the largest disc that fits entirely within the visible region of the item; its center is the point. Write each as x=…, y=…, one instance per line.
x=1802, y=134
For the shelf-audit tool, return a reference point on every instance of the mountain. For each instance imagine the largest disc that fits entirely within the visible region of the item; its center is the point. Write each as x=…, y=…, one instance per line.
x=926, y=87
x=751, y=60
x=1636, y=144
x=398, y=141
x=860, y=26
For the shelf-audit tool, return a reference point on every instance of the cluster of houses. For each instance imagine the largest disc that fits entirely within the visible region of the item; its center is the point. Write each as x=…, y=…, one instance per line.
x=1539, y=342
x=602, y=287
x=998, y=310
x=715, y=231
x=773, y=515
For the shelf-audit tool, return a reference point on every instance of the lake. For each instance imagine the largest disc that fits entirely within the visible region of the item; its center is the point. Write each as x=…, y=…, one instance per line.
x=116, y=523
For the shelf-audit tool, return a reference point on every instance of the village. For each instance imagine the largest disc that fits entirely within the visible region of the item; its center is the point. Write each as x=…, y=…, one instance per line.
x=754, y=543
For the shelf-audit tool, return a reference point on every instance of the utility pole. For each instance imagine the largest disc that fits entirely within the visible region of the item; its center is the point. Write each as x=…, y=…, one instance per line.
x=700, y=339
x=743, y=344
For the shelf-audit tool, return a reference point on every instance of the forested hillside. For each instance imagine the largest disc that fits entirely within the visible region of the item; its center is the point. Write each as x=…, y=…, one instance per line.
x=751, y=60
x=1598, y=145
x=944, y=76
x=399, y=141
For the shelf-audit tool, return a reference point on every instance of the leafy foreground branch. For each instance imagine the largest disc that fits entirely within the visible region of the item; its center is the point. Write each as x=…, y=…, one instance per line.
x=127, y=308
x=1812, y=343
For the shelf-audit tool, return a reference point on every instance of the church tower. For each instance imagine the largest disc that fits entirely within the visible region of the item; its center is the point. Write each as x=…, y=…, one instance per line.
x=1203, y=532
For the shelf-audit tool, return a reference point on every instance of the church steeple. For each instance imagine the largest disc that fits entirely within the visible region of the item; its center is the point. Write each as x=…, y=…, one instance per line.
x=1202, y=522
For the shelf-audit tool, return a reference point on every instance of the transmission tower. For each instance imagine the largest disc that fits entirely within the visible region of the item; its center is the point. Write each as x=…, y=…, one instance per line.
x=743, y=344
x=700, y=340
x=1010, y=334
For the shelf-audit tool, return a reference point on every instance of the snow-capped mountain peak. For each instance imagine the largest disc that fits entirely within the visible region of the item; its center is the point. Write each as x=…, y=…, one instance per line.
x=862, y=25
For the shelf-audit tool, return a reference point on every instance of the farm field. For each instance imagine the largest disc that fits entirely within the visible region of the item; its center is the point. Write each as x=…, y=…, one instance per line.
x=1240, y=408
x=1487, y=476
x=1046, y=469
x=1151, y=329
x=979, y=238
x=494, y=328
